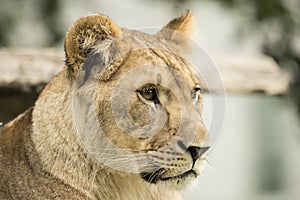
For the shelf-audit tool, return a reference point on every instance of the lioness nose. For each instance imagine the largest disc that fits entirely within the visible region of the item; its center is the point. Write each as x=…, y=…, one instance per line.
x=197, y=152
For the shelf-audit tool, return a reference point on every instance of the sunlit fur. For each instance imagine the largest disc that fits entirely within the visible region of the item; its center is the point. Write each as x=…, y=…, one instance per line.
x=41, y=156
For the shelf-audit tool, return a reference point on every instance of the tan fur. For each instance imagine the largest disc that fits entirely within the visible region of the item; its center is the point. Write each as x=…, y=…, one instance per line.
x=184, y=24
x=41, y=156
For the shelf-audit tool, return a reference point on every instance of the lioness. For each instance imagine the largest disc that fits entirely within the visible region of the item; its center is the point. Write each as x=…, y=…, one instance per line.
x=56, y=151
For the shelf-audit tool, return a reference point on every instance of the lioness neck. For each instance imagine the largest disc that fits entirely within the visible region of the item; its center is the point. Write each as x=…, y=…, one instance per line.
x=54, y=136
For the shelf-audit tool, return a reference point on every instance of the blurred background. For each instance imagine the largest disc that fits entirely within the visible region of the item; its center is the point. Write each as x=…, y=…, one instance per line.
x=258, y=153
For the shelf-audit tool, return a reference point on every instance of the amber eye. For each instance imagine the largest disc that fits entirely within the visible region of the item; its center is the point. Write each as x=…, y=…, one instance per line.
x=149, y=93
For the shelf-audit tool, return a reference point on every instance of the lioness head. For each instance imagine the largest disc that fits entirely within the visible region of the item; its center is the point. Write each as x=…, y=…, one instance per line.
x=136, y=99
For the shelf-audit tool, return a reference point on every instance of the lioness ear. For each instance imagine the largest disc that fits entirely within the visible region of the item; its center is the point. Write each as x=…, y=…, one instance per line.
x=84, y=35
x=185, y=25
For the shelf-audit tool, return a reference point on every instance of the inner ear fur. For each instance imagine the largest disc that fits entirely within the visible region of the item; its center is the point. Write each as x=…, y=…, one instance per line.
x=84, y=35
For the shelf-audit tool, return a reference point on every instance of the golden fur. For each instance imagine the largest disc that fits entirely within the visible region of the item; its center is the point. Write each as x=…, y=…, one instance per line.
x=41, y=156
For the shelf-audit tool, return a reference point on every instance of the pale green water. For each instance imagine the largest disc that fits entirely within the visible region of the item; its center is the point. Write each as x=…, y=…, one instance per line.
x=257, y=155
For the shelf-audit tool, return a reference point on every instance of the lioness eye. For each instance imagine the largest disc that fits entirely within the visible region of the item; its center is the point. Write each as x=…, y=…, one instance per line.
x=197, y=89
x=148, y=92
x=195, y=94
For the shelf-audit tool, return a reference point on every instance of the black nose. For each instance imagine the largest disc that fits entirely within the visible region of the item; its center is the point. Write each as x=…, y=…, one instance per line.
x=197, y=152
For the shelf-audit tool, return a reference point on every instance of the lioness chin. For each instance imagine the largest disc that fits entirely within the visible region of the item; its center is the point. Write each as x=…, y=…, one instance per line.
x=76, y=141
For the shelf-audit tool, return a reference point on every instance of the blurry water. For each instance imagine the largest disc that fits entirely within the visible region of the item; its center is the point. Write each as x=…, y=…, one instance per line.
x=257, y=155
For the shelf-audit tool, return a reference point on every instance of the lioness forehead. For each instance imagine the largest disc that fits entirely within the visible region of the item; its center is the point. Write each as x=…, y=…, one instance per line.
x=137, y=49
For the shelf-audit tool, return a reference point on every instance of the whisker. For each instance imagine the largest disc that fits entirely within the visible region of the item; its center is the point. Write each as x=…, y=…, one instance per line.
x=208, y=162
x=153, y=176
x=115, y=154
x=106, y=149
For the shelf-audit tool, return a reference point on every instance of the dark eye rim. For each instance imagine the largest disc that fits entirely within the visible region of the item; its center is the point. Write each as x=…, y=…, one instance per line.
x=195, y=92
x=149, y=87
x=198, y=89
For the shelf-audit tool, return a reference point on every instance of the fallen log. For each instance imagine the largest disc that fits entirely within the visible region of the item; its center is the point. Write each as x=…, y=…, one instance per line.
x=25, y=69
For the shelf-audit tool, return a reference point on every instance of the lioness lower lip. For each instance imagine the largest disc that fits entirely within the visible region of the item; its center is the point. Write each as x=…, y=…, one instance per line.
x=181, y=175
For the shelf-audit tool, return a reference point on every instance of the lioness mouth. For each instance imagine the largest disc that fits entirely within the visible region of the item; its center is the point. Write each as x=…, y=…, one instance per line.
x=183, y=175
x=155, y=176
